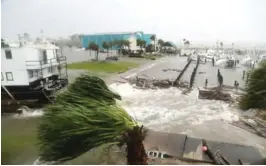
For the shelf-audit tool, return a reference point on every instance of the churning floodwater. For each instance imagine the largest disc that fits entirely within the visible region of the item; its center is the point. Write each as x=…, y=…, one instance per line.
x=169, y=110
x=166, y=110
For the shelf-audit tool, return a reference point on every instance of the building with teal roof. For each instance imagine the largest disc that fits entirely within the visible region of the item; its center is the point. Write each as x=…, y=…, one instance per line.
x=108, y=37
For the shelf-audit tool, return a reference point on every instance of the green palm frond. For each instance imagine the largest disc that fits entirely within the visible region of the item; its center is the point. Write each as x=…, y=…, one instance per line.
x=85, y=116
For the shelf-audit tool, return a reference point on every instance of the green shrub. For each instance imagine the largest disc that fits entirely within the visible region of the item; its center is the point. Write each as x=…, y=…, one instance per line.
x=255, y=96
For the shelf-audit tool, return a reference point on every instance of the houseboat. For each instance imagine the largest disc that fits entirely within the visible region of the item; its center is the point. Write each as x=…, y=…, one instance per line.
x=31, y=72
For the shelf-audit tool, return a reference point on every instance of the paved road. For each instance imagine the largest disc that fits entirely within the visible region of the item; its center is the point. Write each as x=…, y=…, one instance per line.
x=157, y=70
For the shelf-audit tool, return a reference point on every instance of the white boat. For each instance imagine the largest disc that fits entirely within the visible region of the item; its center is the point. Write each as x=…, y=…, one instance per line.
x=228, y=61
x=246, y=60
x=262, y=58
x=32, y=71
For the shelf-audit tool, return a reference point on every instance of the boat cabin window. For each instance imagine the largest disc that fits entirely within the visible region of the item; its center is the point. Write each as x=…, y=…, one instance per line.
x=8, y=54
x=57, y=55
x=35, y=73
x=30, y=73
x=45, y=57
x=2, y=77
x=9, y=76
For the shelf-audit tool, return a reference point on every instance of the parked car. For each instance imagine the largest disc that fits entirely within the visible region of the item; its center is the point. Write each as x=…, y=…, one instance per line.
x=114, y=58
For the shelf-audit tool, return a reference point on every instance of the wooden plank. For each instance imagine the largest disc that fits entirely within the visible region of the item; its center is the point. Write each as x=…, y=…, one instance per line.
x=260, y=131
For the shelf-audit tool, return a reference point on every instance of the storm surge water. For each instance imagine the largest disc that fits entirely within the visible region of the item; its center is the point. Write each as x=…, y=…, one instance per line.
x=169, y=110
x=166, y=110
x=28, y=112
x=160, y=108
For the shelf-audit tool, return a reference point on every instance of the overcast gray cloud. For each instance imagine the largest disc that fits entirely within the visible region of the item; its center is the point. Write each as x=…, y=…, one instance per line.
x=202, y=20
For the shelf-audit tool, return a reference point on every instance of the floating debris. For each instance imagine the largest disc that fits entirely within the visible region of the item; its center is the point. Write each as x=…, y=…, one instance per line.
x=216, y=94
x=151, y=83
x=255, y=126
x=176, y=70
x=201, y=72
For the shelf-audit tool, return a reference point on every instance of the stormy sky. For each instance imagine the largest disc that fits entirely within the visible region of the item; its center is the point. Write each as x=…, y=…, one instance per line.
x=198, y=20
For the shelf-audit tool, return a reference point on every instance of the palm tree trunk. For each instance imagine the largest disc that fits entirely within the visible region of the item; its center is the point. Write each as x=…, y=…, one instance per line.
x=135, y=149
x=97, y=55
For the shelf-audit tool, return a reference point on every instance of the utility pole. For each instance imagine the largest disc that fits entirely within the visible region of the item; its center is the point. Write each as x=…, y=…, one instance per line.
x=233, y=49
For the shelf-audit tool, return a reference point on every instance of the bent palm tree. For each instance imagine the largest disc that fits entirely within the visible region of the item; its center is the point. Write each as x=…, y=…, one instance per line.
x=86, y=116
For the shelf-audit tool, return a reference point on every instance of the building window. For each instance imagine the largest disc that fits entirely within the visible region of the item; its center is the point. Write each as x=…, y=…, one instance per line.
x=8, y=54
x=9, y=76
x=2, y=77
x=45, y=57
x=30, y=73
x=50, y=69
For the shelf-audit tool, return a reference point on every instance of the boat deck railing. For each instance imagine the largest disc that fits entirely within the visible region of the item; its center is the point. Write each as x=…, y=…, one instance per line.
x=45, y=63
x=60, y=62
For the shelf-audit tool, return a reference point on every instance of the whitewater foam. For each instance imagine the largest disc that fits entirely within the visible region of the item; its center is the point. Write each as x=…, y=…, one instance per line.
x=163, y=107
x=28, y=112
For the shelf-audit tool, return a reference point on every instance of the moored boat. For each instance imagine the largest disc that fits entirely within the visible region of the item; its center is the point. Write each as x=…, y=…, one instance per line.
x=32, y=71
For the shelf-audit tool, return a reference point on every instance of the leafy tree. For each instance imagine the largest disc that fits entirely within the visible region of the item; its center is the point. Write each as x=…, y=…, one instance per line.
x=106, y=46
x=118, y=43
x=161, y=42
x=255, y=96
x=26, y=35
x=187, y=42
x=153, y=37
x=3, y=43
x=121, y=43
x=86, y=116
x=221, y=44
x=141, y=43
x=93, y=46
x=168, y=44
x=150, y=48
x=126, y=43
x=111, y=45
